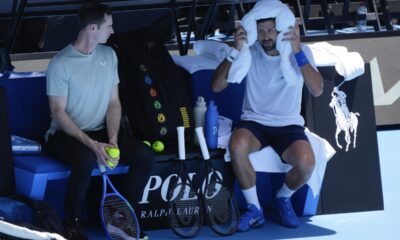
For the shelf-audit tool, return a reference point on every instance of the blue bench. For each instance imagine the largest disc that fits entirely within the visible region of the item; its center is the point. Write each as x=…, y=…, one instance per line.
x=229, y=104
x=29, y=117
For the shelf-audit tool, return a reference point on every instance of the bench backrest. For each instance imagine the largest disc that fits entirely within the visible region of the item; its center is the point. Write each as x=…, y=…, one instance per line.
x=229, y=101
x=28, y=107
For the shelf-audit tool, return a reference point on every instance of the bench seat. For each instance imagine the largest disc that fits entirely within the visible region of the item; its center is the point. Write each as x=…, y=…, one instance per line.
x=32, y=173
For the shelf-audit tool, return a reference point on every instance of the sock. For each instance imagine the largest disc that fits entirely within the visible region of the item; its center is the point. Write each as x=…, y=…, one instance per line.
x=285, y=192
x=251, y=197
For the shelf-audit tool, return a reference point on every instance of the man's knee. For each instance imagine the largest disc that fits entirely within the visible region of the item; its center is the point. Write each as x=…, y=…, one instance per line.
x=238, y=146
x=306, y=164
x=84, y=162
x=139, y=155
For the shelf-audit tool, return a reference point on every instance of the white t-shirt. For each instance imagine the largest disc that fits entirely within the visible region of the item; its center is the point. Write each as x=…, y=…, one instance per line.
x=268, y=100
x=87, y=81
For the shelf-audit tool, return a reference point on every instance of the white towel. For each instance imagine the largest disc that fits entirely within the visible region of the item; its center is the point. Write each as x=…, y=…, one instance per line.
x=193, y=64
x=283, y=18
x=348, y=64
x=224, y=131
x=240, y=66
x=267, y=160
x=213, y=49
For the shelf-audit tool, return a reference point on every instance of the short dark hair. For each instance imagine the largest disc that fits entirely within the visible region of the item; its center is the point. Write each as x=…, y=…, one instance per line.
x=92, y=12
x=265, y=19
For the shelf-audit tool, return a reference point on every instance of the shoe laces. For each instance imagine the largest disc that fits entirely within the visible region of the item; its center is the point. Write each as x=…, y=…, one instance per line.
x=249, y=214
x=288, y=206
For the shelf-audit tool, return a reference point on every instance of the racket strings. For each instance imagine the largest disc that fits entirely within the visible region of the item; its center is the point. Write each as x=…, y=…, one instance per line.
x=185, y=211
x=118, y=218
x=221, y=208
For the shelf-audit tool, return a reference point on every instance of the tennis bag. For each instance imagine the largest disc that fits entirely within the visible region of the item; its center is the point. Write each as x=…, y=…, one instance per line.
x=33, y=214
x=153, y=90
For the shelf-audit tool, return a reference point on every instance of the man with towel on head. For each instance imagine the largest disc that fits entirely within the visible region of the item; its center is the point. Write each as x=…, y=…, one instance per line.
x=271, y=116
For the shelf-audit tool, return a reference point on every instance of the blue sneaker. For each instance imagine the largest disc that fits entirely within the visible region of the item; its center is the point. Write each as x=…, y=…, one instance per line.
x=286, y=213
x=252, y=218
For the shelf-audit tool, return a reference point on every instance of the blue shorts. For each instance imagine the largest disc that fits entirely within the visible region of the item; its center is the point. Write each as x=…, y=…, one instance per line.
x=279, y=138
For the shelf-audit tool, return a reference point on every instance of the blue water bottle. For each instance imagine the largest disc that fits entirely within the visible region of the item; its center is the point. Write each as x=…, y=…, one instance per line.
x=211, y=126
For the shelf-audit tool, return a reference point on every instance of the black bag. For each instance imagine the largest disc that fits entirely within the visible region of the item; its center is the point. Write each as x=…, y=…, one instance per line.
x=45, y=217
x=153, y=90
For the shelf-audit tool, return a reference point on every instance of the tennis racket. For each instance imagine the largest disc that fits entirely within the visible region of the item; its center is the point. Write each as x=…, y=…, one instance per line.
x=186, y=214
x=117, y=216
x=220, y=206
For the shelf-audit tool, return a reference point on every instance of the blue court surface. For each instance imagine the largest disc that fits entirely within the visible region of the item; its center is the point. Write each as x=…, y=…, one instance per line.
x=361, y=225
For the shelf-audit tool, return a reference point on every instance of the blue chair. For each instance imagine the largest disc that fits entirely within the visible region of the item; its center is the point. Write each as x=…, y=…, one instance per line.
x=29, y=117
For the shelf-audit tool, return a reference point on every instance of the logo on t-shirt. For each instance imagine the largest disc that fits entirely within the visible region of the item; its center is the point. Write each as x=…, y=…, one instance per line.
x=103, y=63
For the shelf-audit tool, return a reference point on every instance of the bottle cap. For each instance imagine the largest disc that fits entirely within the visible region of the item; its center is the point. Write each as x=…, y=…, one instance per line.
x=211, y=105
x=200, y=101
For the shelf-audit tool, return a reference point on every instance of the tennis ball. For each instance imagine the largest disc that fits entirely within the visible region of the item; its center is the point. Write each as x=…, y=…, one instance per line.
x=158, y=146
x=112, y=152
x=147, y=143
x=111, y=164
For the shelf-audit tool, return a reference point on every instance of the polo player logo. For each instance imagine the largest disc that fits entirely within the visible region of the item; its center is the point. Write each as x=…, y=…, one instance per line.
x=346, y=121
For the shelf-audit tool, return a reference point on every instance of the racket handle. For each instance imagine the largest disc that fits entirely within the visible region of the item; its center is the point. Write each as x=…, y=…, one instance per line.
x=181, y=142
x=102, y=168
x=202, y=142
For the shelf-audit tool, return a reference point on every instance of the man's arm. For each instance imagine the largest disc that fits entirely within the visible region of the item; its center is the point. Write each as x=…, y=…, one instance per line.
x=113, y=117
x=219, y=81
x=312, y=78
x=220, y=78
x=57, y=109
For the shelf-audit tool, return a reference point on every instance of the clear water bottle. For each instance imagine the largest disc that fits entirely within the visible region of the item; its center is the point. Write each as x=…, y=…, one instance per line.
x=199, y=112
x=211, y=128
x=362, y=24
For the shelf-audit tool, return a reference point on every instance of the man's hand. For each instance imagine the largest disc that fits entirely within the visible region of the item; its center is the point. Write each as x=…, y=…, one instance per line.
x=240, y=37
x=293, y=35
x=99, y=149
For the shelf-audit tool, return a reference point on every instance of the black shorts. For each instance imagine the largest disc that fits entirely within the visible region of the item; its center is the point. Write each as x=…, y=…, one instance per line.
x=279, y=138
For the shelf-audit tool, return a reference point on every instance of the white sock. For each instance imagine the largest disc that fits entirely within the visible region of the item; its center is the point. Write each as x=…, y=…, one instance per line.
x=285, y=192
x=251, y=197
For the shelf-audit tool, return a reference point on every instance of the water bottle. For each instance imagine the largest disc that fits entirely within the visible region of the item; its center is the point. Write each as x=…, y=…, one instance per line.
x=199, y=112
x=362, y=24
x=211, y=128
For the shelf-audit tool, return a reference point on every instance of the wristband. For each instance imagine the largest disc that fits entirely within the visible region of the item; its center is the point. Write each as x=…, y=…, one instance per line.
x=301, y=59
x=232, y=55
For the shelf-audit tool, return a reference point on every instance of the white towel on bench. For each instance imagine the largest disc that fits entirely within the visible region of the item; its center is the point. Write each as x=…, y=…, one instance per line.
x=267, y=160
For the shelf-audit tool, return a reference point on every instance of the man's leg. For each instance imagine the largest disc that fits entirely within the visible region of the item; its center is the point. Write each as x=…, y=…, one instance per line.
x=140, y=158
x=242, y=143
x=81, y=159
x=300, y=155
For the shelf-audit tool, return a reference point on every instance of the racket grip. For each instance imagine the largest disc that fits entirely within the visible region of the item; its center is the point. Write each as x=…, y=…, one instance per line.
x=202, y=142
x=181, y=142
x=102, y=168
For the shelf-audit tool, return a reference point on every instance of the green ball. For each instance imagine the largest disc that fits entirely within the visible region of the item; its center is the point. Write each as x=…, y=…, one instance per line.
x=158, y=146
x=111, y=164
x=112, y=152
x=147, y=143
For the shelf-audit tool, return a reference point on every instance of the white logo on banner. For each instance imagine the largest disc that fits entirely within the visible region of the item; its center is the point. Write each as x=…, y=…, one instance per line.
x=157, y=184
x=346, y=121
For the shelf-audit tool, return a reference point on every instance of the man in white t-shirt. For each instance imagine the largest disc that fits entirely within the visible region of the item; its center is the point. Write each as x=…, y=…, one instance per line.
x=82, y=85
x=271, y=117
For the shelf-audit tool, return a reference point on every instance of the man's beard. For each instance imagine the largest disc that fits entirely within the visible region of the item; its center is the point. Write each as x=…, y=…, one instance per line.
x=268, y=48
